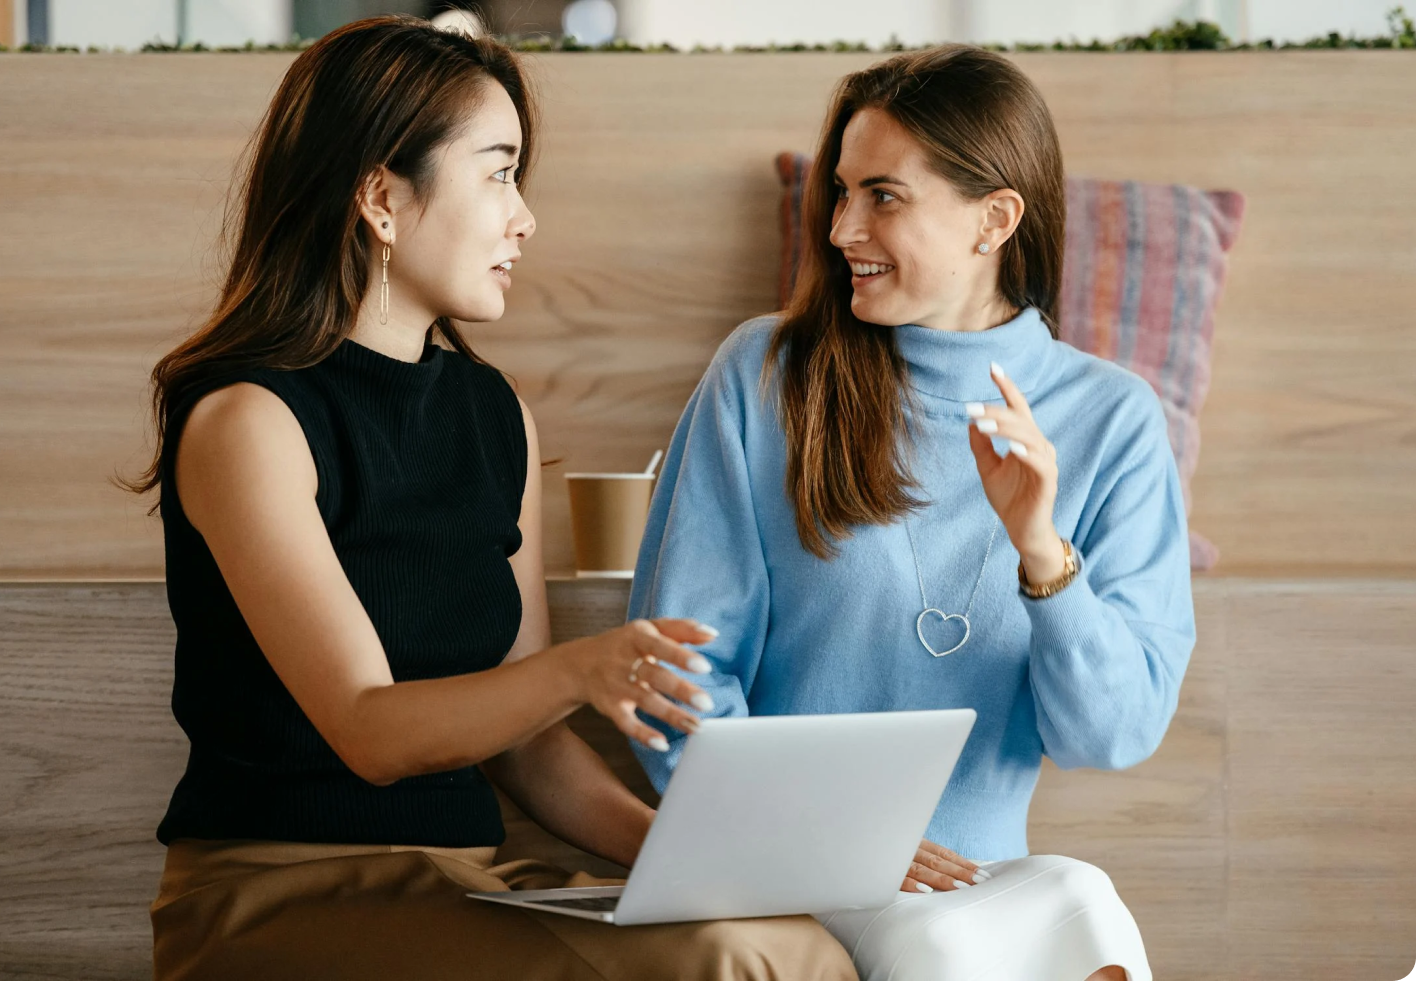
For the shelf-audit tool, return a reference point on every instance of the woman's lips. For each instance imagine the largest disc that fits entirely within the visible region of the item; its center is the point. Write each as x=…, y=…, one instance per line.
x=858, y=280
x=868, y=272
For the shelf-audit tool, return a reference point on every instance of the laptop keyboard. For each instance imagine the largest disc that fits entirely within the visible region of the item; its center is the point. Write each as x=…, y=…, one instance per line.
x=593, y=904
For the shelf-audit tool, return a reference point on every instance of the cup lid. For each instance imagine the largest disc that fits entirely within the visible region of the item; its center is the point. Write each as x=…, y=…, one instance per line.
x=610, y=476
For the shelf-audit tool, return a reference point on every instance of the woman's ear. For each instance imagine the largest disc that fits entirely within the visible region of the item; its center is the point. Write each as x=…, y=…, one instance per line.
x=380, y=200
x=1002, y=210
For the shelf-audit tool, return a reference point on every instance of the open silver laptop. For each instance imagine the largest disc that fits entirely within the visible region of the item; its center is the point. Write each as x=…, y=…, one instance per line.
x=775, y=815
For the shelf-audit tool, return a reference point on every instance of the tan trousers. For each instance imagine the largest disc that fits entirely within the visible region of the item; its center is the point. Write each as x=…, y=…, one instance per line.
x=273, y=910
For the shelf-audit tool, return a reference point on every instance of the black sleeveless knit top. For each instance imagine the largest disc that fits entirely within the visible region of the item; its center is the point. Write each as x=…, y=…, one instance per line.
x=421, y=468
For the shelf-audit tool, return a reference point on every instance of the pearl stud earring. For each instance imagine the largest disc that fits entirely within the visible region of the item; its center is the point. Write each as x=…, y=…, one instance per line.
x=983, y=248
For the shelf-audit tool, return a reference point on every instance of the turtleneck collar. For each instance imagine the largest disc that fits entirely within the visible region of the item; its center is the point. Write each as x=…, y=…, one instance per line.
x=954, y=364
x=391, y=374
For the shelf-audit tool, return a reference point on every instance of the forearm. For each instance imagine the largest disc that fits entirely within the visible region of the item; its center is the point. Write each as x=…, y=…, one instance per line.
x=1105, y=686
x=439, y=724
x=568, y=789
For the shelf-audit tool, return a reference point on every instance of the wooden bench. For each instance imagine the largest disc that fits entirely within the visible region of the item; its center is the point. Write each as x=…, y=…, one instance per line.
x=1270, y=837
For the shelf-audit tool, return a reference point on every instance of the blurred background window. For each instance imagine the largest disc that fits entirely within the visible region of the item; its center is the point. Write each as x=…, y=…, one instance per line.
x=685, y=23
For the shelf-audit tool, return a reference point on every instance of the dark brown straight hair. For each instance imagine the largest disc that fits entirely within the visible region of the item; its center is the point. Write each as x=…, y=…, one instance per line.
x=843, y=383
x=387, y=91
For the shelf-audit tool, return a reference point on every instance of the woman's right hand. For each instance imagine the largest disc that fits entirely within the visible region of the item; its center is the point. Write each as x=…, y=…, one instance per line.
x=619, y=672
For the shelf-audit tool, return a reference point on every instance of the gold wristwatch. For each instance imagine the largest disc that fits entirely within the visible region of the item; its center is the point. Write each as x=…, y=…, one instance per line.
x=1046, y=589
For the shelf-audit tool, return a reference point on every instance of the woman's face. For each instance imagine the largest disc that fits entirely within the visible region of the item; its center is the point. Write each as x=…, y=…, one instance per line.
x=453, y=256
x=911, y=239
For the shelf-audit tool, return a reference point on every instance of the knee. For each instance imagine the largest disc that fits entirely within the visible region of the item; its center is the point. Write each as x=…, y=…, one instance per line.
x=774, y=949
x=1083, y=883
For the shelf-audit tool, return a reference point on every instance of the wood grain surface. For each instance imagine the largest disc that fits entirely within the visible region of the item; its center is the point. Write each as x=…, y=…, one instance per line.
x=656, y=205
x=1269, y=837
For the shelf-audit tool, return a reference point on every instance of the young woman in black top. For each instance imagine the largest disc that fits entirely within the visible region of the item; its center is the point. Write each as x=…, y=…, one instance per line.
x=353, y=539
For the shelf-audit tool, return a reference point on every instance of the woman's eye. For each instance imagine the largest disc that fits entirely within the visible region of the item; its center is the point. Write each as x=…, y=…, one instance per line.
x=884, y=197
x=504, y=175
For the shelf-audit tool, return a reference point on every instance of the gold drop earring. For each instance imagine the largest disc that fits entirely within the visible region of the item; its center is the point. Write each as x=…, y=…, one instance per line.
x=383, y=291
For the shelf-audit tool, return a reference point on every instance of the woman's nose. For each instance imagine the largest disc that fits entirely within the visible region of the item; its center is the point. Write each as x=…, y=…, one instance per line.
x=523, y=226
x=847, y=230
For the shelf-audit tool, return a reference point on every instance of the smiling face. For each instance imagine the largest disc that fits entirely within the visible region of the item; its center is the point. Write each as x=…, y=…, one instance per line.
x=452, y=256
x=910, y=238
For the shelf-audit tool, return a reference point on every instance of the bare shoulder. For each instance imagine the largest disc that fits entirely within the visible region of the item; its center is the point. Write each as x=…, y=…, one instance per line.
x=237, y=441
x=526, y=416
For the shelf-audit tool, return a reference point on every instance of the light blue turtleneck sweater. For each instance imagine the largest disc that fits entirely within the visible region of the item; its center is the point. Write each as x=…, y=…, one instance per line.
x=1089, y=676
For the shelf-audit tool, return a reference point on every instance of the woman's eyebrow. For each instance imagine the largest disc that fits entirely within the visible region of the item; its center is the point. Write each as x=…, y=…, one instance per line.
x=506, y=148
x=872, y=181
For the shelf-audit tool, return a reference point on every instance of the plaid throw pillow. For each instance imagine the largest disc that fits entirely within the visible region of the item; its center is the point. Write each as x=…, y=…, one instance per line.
x=1143, y=272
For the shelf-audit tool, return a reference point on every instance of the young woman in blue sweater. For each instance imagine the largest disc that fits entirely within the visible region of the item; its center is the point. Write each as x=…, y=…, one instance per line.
x=904, y=493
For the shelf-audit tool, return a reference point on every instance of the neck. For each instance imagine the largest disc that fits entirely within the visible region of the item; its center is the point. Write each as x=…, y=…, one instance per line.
x=402, y=337
x=971, y=310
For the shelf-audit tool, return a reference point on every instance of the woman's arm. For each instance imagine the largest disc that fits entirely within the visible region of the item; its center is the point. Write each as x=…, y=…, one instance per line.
x=1107, y=652
x=247, y=482
x=1110, y=650
x=702, y=549
x=555, y=777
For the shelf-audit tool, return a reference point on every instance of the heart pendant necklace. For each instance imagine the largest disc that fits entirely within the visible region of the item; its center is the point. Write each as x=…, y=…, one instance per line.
x=945, y=617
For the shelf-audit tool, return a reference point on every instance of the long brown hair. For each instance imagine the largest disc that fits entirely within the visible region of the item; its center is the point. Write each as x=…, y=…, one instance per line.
x=384, y=91
x=984, y=127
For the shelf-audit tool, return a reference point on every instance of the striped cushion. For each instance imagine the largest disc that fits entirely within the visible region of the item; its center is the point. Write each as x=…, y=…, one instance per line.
x=1143, y=271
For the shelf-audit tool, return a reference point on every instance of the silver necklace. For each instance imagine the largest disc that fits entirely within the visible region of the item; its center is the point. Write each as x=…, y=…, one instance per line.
x=946, y=617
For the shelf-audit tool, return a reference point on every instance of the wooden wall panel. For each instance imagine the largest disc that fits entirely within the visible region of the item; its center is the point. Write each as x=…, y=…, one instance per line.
x=657, y=234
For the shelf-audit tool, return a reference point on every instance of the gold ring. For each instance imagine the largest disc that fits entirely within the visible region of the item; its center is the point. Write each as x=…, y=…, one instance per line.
x=634, y=670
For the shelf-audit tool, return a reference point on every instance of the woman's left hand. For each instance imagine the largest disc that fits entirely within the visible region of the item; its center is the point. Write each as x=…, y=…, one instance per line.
x=938, y=869
x=1022, y=486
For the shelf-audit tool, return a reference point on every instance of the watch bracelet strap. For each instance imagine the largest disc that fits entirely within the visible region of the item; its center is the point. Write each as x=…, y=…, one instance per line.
x=1046, y=589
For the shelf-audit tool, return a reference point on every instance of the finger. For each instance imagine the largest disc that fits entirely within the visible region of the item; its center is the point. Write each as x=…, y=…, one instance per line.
x=1038, y=461
x=627, y=722
x=937, y=881
x=676, y=687
x=1040, y=458
x=1015, y=428
x=985, y=455
x=945, y=867
x=972, y=867
x=986, y=410
x=650, y=643
x=661, y=708
x=914, y=885
x=1012, y=394
x=685, y=631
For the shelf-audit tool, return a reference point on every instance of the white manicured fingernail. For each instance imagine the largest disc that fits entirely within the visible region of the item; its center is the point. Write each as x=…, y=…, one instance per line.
x=921, y=887
x=659, y=743
x=974, y=409
x=997, y=369
x=981, y=876
x=699, y=665
x=1015, y=447
x=960, y=884
x=987, y=425
x=702, y=702
x=710, y=631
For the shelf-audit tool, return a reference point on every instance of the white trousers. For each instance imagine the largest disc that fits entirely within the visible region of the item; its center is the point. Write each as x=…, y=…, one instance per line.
x=1040, y=918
